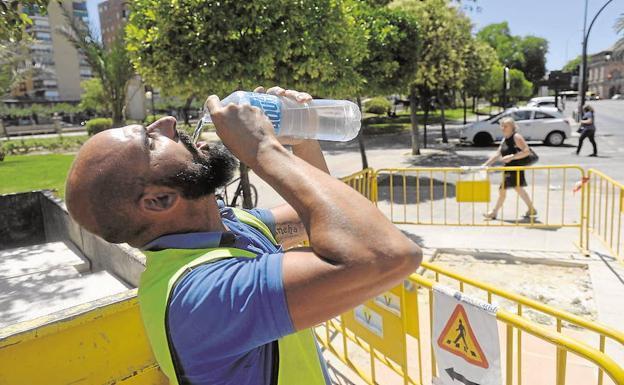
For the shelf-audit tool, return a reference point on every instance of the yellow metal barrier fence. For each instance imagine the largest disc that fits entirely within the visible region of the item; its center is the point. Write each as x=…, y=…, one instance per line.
x=397, y=356
x=605, y=208
x=456, y=196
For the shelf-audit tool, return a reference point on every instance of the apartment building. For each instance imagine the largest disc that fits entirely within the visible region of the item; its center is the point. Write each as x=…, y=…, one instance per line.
x=60, y=68
x=605, y=76
x=113, y=18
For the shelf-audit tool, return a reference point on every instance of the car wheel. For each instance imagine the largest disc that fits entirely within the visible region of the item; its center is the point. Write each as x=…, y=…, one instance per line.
x=483, y=139
x=555, y=138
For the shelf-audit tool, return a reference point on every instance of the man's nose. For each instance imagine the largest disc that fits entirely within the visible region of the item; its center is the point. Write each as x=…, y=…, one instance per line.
x=164, y=126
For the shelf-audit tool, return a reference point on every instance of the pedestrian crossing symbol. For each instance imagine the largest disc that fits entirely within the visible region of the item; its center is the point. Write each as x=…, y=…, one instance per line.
x=458, y=338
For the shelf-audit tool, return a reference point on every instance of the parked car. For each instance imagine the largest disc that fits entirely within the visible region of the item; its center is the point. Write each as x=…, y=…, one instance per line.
x=617, y=97
x=534, y=123
x=542, y=101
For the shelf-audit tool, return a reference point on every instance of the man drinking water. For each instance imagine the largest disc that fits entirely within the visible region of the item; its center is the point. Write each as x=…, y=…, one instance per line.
x=223, y=302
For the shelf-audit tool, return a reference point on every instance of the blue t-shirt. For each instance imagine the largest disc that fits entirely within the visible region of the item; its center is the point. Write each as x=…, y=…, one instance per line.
x=224, y=316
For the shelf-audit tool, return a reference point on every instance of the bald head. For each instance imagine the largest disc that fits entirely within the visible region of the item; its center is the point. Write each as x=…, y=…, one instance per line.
x=132, y=184
x=106, y=180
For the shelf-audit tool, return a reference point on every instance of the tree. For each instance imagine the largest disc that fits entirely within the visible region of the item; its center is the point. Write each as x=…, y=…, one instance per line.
x=534, y=50
x=528, y=54
x=93, y=97
x=480, y=60
x=392, y=55
x=218, y=46
x=519, y=87
x=15, y=17
x=112, y=67
x=573, y=65
x=508, y=47
x=445, y=36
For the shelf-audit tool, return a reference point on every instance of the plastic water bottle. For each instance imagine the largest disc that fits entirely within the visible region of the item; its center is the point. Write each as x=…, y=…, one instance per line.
x=322, y=119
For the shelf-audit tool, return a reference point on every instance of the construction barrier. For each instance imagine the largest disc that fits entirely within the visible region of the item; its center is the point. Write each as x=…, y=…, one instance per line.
x=397, y=334
x=397, y=347
x=459, y=196
x=605, y=208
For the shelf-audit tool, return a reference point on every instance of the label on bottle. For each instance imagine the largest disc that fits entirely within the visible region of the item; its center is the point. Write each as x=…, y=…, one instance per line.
x=271, y=106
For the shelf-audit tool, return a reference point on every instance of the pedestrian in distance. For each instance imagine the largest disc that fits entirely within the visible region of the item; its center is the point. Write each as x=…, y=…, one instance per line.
x=588, y=129
x=513, y=151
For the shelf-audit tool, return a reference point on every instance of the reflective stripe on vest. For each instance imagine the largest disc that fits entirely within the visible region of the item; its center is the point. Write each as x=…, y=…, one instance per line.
x=298, y=360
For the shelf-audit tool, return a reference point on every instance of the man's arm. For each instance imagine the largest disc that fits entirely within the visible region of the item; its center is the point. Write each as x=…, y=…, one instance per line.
x=289, y=229
x=356, y=251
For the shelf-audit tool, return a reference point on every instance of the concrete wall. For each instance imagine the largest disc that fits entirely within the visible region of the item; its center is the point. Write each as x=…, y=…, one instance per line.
x=39, y=217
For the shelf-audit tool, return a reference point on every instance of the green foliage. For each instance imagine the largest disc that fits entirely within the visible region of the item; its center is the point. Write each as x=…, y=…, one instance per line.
x=378, y=105
x=445, y=37
x=93, y=97
x=56, y=144
x=392, y=50
x=519, y=87
x=14, y=19
x=527, y=54
x=34, y=172
x=573, y=65
x=218, y=46
x=480, y=59
x=152, y=118
x=98, y=125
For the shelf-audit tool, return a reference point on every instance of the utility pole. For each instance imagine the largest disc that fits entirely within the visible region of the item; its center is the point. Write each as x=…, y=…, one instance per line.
x=583, y=69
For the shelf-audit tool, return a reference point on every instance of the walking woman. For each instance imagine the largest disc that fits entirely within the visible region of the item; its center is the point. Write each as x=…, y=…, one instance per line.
x=511, y=150
x=588, y=129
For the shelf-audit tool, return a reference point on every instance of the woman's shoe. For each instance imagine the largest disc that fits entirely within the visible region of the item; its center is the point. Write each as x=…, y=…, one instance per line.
x=594, y=155
x=530, y=213
x=489, y=216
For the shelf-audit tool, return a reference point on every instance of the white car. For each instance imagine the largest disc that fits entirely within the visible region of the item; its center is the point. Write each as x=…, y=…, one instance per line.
x=534, y=123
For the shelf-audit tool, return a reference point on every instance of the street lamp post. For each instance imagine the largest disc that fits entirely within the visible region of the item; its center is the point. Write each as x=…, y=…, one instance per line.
x=583, y=72
x=505, y=86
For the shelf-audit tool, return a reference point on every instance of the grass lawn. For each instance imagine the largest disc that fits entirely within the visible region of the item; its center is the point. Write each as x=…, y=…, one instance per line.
x=33, y=172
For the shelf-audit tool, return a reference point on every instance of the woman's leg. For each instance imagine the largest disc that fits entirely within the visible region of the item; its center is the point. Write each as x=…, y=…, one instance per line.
x=580, y=143
x=502, y=194
x=590, y=135
x=525, y=198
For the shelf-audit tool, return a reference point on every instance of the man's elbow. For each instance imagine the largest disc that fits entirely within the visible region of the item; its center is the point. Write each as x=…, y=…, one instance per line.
x=411, y=258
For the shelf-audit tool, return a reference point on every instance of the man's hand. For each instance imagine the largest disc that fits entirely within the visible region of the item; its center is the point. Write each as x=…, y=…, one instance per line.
x=245, y=130
x=297, y=96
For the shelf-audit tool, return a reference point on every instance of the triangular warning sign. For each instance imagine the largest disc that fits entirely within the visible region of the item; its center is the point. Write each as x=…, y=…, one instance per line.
x=459, y=339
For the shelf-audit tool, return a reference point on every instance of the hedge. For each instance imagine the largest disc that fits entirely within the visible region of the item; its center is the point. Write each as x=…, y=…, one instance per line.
x=377, y=106
x=98, y=125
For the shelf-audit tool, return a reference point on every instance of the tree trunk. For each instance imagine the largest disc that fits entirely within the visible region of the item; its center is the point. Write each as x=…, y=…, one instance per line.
x=186, y=108
x=360, y=138
x=244, y=177
x=442, y=118
x=465, y=106
x=413, y=119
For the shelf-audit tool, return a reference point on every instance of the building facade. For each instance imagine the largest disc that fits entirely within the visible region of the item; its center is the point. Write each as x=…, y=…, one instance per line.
x=59, y=68
x=605, y=76
x=113, y=17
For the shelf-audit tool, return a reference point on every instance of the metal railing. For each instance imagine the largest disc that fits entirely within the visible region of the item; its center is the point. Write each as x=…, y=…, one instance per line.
x=401, y=353
x=605, y=208
x=383, y=187
x=456, y=196
x=600, y=333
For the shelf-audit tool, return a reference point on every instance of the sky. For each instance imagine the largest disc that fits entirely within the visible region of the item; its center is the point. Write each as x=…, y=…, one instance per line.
x=559, y=21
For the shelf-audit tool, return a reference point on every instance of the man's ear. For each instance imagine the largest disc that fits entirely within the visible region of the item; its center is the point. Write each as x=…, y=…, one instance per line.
x=158, y=199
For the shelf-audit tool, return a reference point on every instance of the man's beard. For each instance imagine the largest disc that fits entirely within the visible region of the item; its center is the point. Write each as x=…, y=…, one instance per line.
x=208, y=171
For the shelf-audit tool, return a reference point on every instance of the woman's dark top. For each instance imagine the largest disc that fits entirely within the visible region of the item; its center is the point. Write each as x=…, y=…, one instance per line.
x=512, y=178
x=588, y=115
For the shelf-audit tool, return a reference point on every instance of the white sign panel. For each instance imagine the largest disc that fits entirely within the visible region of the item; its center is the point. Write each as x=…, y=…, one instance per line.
x=465, y=339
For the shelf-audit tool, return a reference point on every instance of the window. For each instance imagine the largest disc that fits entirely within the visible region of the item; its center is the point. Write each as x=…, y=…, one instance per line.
x=521, y=115
x=45, y=36
x=542, y=115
